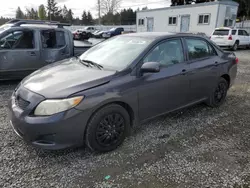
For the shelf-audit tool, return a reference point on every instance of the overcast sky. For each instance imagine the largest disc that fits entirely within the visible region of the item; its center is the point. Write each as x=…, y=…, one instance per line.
x=8, y=7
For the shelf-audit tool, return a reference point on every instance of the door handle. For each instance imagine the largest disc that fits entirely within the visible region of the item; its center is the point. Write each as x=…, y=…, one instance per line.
x=49, y=61
x=32, y=54
x=183, y=72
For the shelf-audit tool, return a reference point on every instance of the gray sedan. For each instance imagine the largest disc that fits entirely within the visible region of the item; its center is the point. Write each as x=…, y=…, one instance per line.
x=97, y=98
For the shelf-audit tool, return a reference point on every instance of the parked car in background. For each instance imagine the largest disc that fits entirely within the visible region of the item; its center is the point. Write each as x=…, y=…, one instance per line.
x=230, y=38
x=98, y=97
x=113, y=32
x=83, y=34
x=77, y=34
x=27, y=45
x=98, y=34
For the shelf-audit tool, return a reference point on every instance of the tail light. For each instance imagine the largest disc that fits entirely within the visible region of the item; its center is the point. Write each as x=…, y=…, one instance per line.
x=230, y=37
x=236, y=60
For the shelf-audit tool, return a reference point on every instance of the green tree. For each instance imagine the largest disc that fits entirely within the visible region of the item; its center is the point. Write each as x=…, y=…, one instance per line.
x=89, y=18
x=244, y=8
x=31, y=14
x=65, y=13
x=19, y=13
x=53, y=10
x=84, y=18
x=42, y=12
x=69, y=17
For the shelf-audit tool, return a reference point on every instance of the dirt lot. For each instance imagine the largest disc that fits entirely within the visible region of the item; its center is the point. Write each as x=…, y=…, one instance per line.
x=196, y=147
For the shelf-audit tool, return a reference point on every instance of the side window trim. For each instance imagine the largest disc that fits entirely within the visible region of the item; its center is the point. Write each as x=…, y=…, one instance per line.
x=161, y=42
x=198, y=59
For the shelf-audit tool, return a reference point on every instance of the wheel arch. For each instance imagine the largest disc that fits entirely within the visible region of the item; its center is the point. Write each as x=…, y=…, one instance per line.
x=126, y=106
x=227, y=78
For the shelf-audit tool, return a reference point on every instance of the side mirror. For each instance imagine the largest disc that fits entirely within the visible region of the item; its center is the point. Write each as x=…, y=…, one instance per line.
x=152, y=67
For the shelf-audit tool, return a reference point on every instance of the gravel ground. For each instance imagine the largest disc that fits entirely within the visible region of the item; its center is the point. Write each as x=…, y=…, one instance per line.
x=195, y=147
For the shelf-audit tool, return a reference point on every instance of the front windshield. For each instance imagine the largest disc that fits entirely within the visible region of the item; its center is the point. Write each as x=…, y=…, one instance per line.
x=112, y=29
x=118, y=52
x=4, y=27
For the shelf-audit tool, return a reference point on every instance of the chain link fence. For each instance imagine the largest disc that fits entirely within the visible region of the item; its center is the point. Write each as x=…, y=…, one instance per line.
x=103, y=27
x=244, y=25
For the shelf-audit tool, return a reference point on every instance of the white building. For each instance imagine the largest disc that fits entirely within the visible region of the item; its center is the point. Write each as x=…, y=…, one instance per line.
x=202, y=17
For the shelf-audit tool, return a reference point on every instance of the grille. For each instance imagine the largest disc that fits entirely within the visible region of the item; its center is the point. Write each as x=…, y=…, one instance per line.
x=21, y=103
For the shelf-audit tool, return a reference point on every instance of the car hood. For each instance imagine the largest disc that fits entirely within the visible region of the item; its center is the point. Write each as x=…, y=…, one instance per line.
x=64, y=78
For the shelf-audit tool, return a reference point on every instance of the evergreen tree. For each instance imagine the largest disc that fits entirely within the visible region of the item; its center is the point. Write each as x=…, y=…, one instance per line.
x=69, y=17
x=84, y=18
x=19, y=13
x=53, y=10
x=89, y=18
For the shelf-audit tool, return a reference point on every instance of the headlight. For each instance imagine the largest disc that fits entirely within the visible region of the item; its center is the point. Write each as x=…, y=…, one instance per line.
x=50, y=107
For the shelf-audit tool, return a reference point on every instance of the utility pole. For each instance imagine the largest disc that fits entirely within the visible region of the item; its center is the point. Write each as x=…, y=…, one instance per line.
x=99, y=11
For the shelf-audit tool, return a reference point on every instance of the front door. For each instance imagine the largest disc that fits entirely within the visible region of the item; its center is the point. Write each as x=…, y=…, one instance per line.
x=185, y=21
x=150, y=24
x=204, y=64
x=19, y=54
x=54, y=46
x=168, y=89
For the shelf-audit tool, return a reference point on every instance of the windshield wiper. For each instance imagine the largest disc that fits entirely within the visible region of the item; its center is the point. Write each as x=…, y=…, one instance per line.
x=83, y=63
x=92, y=63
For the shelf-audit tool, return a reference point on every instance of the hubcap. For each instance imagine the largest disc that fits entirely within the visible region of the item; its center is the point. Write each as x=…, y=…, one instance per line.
x=110, y=129
x=220, y=92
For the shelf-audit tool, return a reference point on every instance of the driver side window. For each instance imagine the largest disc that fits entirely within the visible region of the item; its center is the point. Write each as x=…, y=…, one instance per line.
x=18, y=40
x=167, y=53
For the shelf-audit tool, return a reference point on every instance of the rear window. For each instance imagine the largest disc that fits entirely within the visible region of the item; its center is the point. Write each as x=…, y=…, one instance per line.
x=221, y=32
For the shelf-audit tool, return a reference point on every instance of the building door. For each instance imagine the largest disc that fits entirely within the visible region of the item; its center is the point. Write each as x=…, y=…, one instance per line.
x=150, y=24
x=185, y=20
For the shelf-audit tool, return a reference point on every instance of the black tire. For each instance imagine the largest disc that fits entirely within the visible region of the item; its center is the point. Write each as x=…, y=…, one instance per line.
x=218, y=96
x=235, y=46
x=89, y=35
x=101, y=135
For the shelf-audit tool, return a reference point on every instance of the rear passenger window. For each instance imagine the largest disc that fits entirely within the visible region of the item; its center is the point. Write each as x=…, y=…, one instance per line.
x=198, y=48
x=53, y=39
x=167, y=53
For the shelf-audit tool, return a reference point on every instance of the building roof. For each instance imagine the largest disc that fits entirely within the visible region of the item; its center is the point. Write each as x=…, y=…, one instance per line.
x=222, y=2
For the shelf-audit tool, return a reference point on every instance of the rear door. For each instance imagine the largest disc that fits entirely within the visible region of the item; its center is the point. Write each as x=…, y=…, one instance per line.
x=220, y=36
x=19, y=53
x=203, y=62
x=55, y=45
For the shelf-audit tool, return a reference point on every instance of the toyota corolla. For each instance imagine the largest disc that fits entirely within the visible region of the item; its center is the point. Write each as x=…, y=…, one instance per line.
x=98, y=97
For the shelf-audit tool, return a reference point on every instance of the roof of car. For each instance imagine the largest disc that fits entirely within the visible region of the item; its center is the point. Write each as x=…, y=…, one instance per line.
x=228, y=28
x=159, y=34
x=36, y=27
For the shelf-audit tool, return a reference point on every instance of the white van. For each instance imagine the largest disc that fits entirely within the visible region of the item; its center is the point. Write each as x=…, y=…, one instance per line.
x=230, y=38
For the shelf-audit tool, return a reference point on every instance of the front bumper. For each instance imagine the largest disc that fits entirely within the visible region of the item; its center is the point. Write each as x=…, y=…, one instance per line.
x=59, y=131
